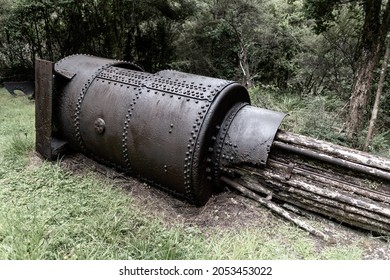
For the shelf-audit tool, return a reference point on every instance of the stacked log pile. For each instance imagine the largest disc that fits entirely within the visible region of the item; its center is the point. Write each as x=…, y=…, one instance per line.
x=344, y=184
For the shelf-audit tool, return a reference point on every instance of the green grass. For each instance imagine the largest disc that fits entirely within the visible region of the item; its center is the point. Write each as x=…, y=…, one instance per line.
x=47, y=212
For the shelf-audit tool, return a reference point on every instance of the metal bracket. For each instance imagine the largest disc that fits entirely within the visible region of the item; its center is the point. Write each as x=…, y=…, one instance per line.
x=45, y=144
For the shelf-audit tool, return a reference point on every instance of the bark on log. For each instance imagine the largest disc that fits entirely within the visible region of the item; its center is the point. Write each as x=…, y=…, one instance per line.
x=349, y=186
x=334, y=150
x=277, y=209
x=334, y=182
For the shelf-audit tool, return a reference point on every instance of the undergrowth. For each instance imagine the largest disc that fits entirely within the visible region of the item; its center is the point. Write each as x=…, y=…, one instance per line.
x=318, y=116
x=49, y=213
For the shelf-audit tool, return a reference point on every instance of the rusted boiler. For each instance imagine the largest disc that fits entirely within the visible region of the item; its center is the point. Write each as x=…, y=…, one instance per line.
x=175, y=130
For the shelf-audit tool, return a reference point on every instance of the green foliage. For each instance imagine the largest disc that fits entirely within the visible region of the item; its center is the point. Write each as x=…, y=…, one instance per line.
x=264, y=41
x=139, y=31
x=329, y=65
x=318, y=116
x=322, y=11
x=250, y=41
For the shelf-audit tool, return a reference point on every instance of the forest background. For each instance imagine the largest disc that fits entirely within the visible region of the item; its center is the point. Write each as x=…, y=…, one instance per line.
x=320, y=61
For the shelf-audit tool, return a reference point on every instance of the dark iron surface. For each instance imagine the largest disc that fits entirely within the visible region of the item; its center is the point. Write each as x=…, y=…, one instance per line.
x=249, y=137
x=172, y=129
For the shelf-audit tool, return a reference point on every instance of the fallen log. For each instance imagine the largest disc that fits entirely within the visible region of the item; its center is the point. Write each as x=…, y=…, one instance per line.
x=349, y=186
x=334, y=150
x=288, y=215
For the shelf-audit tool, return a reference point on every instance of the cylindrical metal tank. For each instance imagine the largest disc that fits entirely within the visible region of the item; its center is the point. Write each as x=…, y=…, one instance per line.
x=173, y=129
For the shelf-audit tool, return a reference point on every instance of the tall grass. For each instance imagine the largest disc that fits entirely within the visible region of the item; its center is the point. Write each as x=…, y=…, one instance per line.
x=49, y=213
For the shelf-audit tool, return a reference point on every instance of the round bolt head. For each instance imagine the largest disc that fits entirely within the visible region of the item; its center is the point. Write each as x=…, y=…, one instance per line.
x=100, y=126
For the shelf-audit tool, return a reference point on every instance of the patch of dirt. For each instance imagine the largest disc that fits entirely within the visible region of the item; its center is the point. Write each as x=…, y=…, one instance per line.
x=225, y=211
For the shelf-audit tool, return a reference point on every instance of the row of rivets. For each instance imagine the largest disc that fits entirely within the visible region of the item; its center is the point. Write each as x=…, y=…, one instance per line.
x=126, y=76
x=221, y=139
x=80, y=99
x=186, y=88
x=129, y=115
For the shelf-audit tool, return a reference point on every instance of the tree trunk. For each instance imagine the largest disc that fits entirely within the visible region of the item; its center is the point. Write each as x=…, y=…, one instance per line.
x=359, y=98
x=244, y=65
x=373, y=38
x=377, y=98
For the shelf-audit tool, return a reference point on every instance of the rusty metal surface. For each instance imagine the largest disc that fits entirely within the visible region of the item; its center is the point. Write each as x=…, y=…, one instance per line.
x=169, y=128
x=250, y=135
x=83, y=70
x=43, y=106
